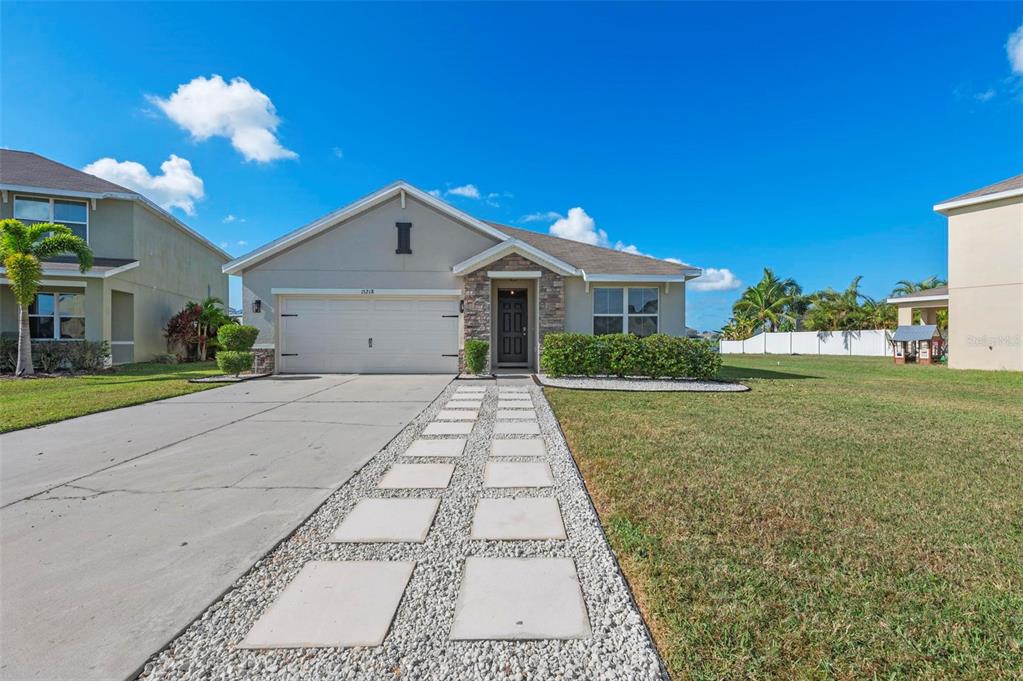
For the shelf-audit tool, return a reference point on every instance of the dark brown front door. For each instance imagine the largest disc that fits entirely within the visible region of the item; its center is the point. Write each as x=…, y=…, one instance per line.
x=512, y=326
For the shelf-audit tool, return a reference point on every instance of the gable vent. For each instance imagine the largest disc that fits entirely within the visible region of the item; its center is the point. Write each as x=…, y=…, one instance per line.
x=404, y=237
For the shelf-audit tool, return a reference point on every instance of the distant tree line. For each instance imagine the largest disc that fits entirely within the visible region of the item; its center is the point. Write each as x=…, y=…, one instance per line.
x=775, y=304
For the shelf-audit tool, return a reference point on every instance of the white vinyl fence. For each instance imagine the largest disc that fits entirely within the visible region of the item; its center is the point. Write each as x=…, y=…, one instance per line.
x=870, y=343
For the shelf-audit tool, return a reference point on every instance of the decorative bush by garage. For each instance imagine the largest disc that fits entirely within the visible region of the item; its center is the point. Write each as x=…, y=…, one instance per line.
x=476, y=353
x=656, y=356
x=235, y=341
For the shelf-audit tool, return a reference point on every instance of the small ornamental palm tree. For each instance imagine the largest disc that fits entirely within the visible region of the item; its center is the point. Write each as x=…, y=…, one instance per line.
x=22, y=247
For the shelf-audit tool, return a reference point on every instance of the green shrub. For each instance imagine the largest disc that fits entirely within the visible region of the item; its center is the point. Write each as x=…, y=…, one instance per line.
x=49, y=356
x=476, y=355
x=87, y=355
x=656, y=356
x=237, y=337
x=234, y=361
x=165, y=358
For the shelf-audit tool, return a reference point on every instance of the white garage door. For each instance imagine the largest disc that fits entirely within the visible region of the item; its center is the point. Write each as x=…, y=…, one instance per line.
x=336, y=335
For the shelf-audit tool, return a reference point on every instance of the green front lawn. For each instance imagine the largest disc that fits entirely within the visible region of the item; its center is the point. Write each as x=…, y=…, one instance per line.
x=846, y=518
x=33, y=402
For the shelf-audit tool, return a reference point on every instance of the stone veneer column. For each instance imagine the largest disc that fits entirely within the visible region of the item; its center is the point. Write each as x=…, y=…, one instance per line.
x=476, y=288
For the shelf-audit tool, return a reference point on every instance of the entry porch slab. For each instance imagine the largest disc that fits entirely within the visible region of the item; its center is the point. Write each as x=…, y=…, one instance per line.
x=520, y=598
x=333, y=604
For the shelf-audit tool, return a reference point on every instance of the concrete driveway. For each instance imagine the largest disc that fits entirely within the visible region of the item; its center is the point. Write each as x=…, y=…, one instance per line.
x=117, y=529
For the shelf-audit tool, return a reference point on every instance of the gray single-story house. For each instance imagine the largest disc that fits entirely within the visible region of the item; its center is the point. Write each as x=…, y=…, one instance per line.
x=147, y=264
x=398, y=280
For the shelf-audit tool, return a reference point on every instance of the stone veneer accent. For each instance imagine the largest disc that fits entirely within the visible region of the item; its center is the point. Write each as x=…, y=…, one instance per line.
x=476, y=295
x=262, y=360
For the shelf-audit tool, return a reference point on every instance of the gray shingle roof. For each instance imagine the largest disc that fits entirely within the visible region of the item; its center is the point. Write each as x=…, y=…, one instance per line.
x=25, y=169
x=594, y=259
x=915, y=332
x=1003, y=186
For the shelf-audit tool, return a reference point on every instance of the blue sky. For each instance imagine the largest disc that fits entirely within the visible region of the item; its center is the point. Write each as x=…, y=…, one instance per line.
x=811, y=138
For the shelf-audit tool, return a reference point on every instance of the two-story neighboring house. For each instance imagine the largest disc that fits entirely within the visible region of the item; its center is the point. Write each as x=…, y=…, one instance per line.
x=148, y=264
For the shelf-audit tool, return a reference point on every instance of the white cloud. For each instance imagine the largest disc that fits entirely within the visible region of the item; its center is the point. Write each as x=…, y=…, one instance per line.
x=469, y=191
x=578, y=226
x=243, y=243
x=229, y=219
x=1014, y=50
x=435, y=193
x=549, y=216
x=208, y=107
x=714, y=279
x=338, y=152
x=985, y=96
x=227, y=244
x=177, y=187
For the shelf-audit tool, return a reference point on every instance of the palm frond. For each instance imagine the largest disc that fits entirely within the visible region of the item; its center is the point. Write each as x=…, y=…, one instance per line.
x=64, y=242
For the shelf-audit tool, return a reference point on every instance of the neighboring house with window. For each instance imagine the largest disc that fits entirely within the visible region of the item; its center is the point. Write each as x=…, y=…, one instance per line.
x=147, y=263
x=398, y=280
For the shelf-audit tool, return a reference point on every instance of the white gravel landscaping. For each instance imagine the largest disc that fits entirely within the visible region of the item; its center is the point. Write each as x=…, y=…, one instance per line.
x=638, y=384
x=419, y=642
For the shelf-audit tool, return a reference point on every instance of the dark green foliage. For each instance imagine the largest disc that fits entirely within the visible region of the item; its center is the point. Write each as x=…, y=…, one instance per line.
x=88, y=356
x=236, y=337
x=49, y=356
x=476, y=353
x=8, y=354
x=234, y=361
x=657, y=356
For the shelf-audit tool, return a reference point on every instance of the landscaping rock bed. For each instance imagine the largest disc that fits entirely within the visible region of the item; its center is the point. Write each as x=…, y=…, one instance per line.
x=639, y=384
x=417, y=645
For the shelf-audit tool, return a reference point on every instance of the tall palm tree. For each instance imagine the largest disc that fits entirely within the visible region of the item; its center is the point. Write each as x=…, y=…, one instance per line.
x=22, y=247
x=767, y=302
x=905, y=286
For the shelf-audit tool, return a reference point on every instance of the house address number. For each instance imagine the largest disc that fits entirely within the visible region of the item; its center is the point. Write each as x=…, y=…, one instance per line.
x=368, y=291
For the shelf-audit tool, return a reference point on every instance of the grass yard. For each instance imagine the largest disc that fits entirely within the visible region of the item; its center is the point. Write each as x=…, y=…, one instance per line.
x=33, y=402
x=846, y=518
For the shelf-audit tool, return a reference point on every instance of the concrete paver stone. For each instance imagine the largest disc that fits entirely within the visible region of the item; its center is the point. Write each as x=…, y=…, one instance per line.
x=417, y=476
x=516, y=428
x=534, y=447
x=457, y=415
x=387, y=520
x=333, y=604
x=517, y=474
x=518, y=519
x=448, y=428
x=520, y=598
x=446, y=448
x=458, y=403
x=516, y=415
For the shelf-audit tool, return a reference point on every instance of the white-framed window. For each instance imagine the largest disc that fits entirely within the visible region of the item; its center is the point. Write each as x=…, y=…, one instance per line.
x=632, y=309
x=72, y=214
x=57, y=316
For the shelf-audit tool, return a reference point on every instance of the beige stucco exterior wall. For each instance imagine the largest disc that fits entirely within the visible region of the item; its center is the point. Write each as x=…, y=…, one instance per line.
x=174, y=269
x=359, y=254
x=579, y=306
x=985, y=272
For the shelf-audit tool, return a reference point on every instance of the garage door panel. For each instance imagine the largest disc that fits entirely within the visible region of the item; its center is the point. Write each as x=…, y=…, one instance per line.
x=333, y=335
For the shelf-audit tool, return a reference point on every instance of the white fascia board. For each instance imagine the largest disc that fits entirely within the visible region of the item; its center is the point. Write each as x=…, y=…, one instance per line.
x=329, y=220
x=123, y=196
x=51, y=282
x=371, y=292
x=917, y=299
x=532, y=274
x=123, y=268
x=638, y=278
x=75, y=274
x=986, y=198
x=500, y=250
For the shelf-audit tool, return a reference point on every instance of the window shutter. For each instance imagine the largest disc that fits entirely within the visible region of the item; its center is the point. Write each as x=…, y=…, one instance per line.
x=404, y=237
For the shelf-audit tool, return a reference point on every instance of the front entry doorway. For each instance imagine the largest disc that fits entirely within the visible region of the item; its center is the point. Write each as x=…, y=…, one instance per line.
x=512, y=327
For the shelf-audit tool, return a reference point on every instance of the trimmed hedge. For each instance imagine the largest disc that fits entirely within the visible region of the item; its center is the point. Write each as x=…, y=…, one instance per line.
x=656, y=356
x=476, y=352
x=234, y=361
x=236, y=337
